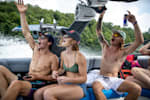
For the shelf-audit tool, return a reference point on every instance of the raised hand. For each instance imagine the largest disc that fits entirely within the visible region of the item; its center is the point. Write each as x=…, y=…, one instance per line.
x=103, y=12
x=131, y=18
x=21, y=7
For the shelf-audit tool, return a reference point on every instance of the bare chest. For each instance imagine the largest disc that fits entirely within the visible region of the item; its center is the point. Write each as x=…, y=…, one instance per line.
x=112, y=56
x=113, y=59
x=40, y=62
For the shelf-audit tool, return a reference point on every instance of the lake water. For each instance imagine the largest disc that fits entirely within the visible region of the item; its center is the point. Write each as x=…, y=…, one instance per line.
x=16, y=47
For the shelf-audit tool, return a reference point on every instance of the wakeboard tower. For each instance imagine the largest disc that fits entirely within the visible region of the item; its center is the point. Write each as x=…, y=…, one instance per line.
x=84, y=13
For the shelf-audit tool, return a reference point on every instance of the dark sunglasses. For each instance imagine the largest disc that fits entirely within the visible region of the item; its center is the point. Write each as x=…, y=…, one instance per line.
x=42, y=37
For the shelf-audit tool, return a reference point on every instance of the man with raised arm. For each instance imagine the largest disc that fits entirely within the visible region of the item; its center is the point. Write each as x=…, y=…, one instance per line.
x=42, y=64
x=113, y=56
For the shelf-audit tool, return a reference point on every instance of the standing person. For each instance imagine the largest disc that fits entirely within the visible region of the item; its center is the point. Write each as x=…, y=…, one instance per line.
x=71, y=85
x=141, y=76
x=113, y=55
x=43, y=63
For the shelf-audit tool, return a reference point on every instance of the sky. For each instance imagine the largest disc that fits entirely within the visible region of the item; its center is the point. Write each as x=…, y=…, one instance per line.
x=115, y=10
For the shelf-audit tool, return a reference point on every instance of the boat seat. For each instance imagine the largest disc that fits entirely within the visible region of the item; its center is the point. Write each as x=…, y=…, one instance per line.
x=16, y=65
x=145, y=92
x=143, y=61
x=21, y=65
x=108, y=93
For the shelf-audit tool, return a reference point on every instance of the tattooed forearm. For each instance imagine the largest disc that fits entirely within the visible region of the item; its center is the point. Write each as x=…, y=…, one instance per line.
x=99, y=24
x=101, y=38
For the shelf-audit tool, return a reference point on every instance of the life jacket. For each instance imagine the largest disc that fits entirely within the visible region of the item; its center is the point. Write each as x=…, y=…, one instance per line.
x=130, y=62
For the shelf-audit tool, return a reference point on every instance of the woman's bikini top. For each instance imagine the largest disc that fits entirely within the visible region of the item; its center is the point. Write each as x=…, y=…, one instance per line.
x=73, y=69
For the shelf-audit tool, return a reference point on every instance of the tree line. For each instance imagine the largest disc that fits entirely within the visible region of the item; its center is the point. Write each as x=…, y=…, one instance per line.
x=10, y=18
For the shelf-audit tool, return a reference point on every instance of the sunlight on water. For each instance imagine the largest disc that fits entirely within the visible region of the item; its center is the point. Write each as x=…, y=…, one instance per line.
x=14, y=47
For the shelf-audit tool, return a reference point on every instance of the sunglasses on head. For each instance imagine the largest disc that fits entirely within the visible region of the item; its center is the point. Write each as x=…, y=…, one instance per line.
x=66, y=36
x=42, y=37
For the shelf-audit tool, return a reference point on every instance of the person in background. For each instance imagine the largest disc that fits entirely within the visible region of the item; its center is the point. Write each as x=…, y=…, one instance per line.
x=141, y=76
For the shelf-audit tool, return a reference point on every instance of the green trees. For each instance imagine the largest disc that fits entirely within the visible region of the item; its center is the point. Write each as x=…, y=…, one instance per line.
x=10, y=18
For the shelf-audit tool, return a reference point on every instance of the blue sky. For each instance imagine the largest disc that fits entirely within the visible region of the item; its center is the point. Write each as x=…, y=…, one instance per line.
x=114, y=14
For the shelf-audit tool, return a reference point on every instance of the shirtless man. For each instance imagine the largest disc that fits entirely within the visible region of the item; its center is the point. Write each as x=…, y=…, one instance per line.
x=71, y=85
x=141, y=76
x=42, y=64
x=113, y=56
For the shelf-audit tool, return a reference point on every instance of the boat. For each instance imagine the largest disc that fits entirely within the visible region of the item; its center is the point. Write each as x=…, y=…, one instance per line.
x=20, y=67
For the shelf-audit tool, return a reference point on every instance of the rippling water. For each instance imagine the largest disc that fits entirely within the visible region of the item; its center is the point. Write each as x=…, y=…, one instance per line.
x=16, y=47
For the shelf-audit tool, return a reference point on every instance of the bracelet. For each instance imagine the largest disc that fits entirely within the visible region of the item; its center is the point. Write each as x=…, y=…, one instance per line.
x=135, y=23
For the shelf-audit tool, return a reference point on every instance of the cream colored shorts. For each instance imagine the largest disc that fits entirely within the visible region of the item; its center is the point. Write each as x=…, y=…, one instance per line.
x=108, y=82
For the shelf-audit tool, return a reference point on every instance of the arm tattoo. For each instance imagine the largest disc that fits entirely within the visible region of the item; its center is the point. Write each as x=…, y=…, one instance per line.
x=99, y=30
x=99, y=24
x=101, y=38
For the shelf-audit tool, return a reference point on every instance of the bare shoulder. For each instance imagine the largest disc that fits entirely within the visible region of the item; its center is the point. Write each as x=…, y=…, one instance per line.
x=79, y=53
x=53, y=56
x=106, y=46
x=80, y=57
x=63, y=53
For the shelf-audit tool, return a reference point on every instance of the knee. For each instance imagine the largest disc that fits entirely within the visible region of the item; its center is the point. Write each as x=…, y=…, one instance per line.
x=136, y=89
x=97, y=87
x=16, y=84
x=38, y=93
x=48, y=95
x=134, y=70
x=129, y=78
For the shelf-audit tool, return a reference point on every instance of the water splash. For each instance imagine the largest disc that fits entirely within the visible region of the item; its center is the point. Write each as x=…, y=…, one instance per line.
x=17, y=47
x=14, y=47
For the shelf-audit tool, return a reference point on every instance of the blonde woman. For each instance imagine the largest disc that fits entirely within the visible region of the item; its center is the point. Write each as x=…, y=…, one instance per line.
x=71, y=85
